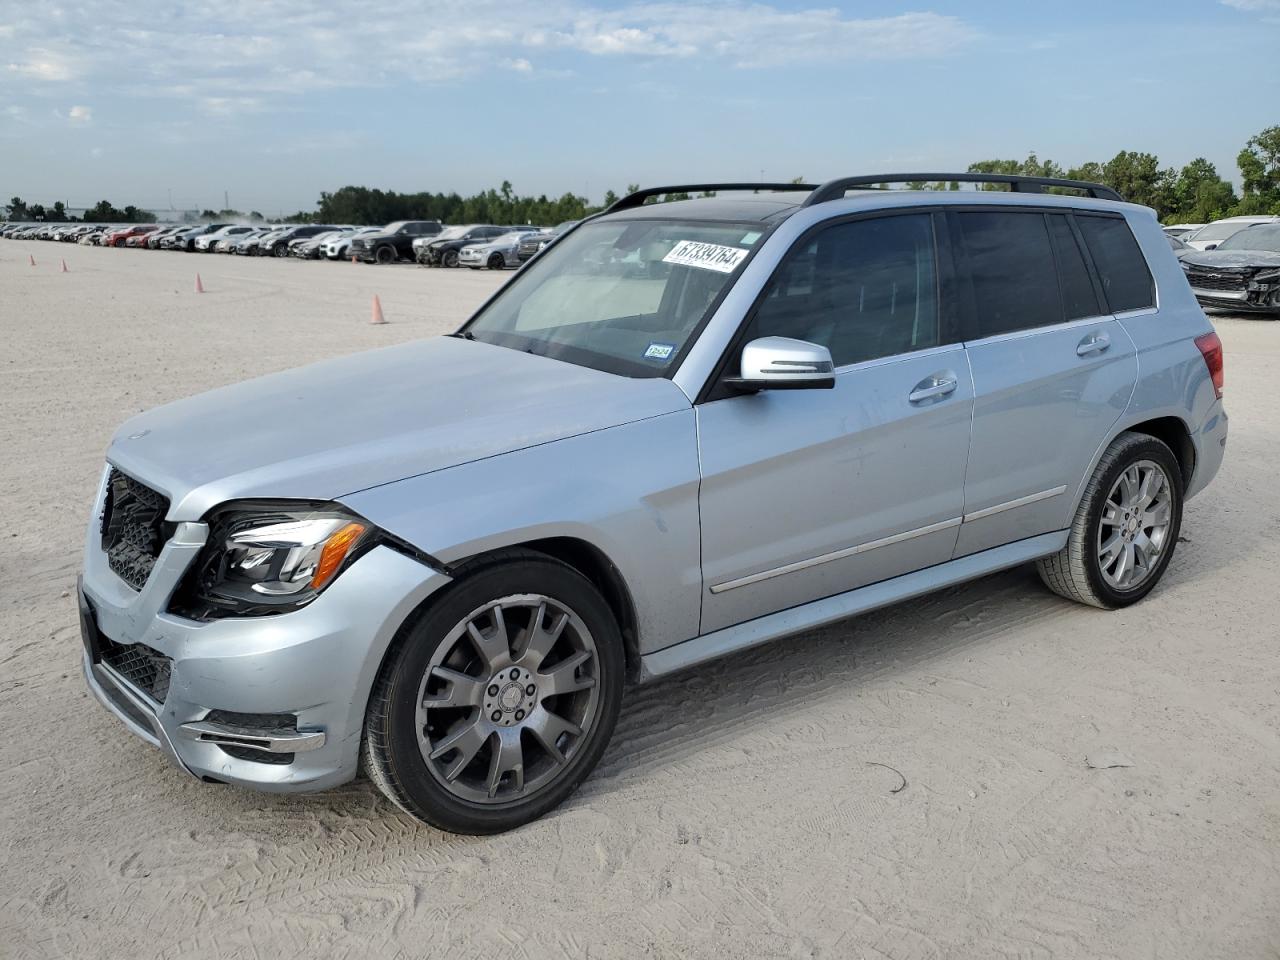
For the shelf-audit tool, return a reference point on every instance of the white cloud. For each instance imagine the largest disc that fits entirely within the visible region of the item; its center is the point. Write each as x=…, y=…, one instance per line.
x=43, y=64
x=1254, y=6
x=232, y=56
x=230, y=106
x=96, y=152
x=80, y=114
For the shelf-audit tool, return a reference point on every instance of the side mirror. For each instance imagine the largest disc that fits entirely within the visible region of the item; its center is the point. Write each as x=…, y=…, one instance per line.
x=781, y=363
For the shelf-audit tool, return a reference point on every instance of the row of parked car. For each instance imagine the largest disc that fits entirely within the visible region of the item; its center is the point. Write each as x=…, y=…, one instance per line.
x=1231, y=264
x=428, y=242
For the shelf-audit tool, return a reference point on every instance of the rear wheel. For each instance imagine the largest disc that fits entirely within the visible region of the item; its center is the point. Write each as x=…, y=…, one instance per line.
x=1125, y=529
x=500, y=699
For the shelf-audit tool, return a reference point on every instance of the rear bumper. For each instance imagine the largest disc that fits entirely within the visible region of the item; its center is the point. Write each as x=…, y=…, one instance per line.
x=295, y=685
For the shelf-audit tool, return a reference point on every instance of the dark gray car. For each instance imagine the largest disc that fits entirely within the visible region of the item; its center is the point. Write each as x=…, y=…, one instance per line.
x=1241, y=273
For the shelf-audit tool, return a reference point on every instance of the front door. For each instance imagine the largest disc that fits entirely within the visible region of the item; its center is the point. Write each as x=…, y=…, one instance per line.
x=810, y=493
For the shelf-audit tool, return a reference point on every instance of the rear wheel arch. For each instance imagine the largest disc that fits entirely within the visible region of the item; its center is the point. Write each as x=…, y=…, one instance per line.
x=1170, y=429
x=1175, y=435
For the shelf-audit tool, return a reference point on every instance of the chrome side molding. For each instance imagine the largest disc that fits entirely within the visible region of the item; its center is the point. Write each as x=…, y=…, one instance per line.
x=818, y=613
x=836, y=555
x=1014, y=504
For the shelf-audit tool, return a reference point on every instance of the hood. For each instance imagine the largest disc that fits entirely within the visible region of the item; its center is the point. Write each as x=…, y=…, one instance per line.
x=1232, y=259
x=333, y=428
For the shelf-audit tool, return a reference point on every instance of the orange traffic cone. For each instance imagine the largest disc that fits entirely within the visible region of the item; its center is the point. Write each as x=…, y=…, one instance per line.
x=31, y=259
x=375, y=315
x=353, y=258
x=64, y=267
x=199, y=285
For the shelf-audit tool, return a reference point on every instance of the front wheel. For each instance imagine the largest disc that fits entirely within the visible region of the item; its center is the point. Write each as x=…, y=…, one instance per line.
x=499, y=700
x=1125, y=529
x=385, y=255
x=449, y=258
x=281, y=250
x=496, y=262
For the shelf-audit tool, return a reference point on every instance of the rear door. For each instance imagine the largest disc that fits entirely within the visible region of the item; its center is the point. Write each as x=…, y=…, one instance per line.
x=810, y=493
x=1052, y=370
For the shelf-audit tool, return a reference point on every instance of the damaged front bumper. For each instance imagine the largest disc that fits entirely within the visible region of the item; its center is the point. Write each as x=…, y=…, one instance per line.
x=274, y=703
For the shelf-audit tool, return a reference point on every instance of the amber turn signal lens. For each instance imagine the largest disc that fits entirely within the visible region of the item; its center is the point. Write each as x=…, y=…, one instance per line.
x=335, y=551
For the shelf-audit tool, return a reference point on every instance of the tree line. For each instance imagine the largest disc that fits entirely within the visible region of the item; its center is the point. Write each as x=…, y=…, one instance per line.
x=1194, y=194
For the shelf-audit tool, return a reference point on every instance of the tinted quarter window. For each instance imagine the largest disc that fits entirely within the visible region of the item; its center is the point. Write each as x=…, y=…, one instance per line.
x=863, y=289
x=1126, y=281
x=1010, y=266
x=1078, y=296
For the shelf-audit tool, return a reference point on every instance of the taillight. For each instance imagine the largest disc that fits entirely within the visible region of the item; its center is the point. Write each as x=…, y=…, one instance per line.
x=1211, y=349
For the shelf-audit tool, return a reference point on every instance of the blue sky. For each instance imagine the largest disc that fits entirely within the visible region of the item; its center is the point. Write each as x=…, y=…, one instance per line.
x=273, y=101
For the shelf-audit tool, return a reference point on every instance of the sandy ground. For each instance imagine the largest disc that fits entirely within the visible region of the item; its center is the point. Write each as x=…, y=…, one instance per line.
x=741, y=811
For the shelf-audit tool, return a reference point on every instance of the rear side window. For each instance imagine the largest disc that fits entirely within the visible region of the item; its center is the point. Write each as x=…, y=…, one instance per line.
x=1126, y=281
x=1078, y=296
x=864, y=289
x=1010, y=265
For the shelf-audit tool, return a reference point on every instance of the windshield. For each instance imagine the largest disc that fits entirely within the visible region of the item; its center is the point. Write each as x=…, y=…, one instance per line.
x=1218, y=231
x=618, y=295
x=1263, y=237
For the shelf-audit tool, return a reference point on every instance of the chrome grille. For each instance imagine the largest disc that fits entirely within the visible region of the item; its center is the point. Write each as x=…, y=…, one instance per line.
x=1217, y=281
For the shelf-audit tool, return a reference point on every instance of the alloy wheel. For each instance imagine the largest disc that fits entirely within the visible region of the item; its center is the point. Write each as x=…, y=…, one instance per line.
x=508, y=699
x=1134, y=527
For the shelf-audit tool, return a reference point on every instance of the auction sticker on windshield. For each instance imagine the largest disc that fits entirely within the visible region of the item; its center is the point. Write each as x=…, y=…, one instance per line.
x=708, y=256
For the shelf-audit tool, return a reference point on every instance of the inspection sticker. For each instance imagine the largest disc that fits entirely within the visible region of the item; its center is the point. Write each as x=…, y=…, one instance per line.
x=660, y=351
x=708, y=256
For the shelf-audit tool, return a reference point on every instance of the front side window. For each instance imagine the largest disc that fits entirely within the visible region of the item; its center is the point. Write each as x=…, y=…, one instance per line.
x=864, y=289
x=619, y=295
x=1122, y=268
x=1010, y=266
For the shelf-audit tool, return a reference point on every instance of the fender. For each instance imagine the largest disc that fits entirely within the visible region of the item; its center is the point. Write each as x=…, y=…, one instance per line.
x=630, y=491
x=1175, y=369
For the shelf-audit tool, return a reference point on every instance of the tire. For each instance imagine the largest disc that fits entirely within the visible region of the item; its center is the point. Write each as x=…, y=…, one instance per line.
x=496, y=262
x=1086, y=572
x=385, y=254
x=449, y=258
x=281, y=250
x=477, y=788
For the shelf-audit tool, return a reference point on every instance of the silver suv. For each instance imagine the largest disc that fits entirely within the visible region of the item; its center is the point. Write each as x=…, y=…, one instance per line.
x=686, y=429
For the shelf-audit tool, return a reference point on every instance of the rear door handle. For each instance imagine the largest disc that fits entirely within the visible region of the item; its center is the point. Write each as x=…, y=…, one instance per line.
x=1094, y=343
x=932, y=388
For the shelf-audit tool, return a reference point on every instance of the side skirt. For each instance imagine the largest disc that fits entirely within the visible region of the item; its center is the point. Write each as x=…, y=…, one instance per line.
x=818, y=613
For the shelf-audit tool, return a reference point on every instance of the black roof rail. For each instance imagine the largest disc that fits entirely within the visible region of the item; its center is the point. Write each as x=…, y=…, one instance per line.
x=640, y=196
x=835, y=189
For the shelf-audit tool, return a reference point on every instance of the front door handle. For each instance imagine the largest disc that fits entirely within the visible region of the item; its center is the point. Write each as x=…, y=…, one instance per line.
x=1094, y=343
x=932, y=388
